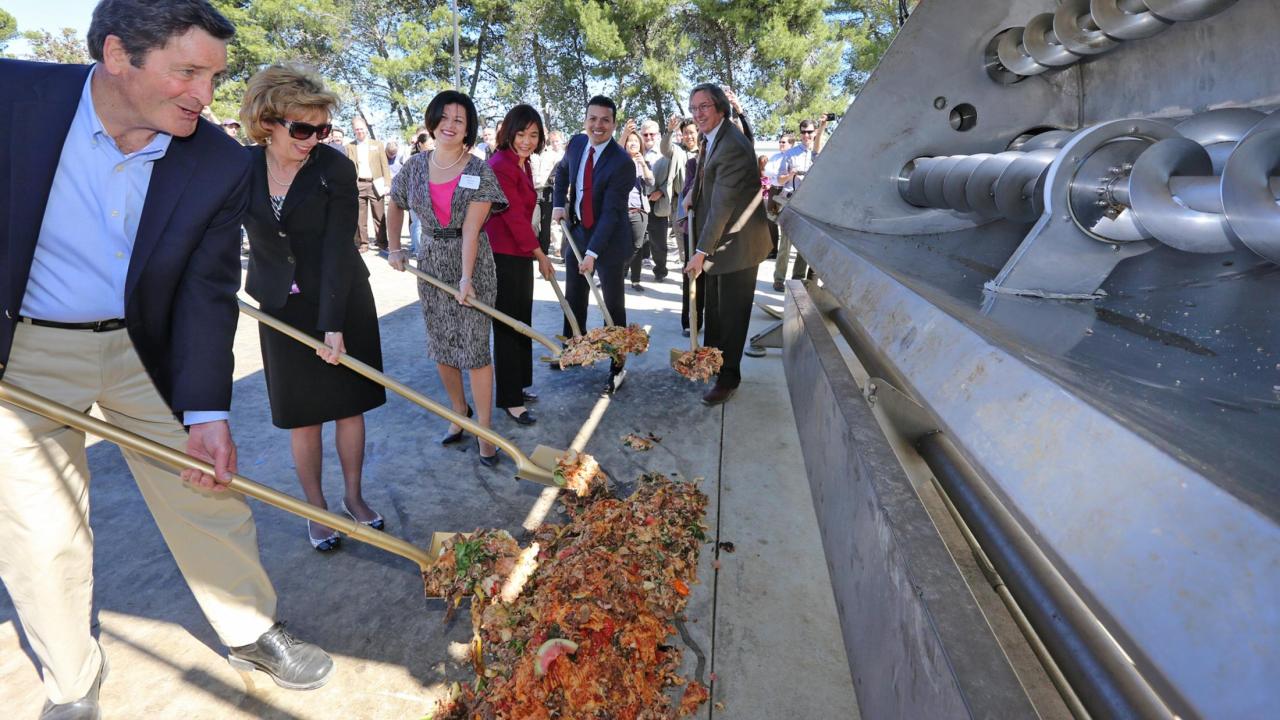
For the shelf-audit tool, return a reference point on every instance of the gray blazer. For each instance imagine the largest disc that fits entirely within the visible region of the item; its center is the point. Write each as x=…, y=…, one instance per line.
x=728, y=207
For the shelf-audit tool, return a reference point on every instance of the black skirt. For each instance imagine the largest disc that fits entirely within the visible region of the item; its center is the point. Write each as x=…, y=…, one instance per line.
x=305, y=390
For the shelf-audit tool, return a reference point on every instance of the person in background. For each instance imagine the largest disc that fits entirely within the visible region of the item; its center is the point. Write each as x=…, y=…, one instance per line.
x=665, y=177
x=682, y=148
x=544, y=164
x=453, y=192
x=792, y=168
x=772, y=207
x=304, y=271
x=637, y=200
x=373, y=181
x=422, y=142
x=232, y=128
x=394, y=159
x=337, y=139
x=515, y=246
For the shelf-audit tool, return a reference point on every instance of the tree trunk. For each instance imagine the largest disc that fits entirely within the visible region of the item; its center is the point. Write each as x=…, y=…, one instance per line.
x=475, y=74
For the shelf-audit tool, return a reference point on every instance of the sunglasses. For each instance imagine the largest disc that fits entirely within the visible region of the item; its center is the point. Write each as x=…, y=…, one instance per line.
x=301, y=131
x=807, y=132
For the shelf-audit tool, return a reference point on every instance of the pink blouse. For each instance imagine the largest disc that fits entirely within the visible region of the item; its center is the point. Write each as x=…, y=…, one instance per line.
x=442, y=200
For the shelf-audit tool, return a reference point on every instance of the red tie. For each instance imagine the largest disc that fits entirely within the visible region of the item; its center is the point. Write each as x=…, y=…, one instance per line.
x=588, y=212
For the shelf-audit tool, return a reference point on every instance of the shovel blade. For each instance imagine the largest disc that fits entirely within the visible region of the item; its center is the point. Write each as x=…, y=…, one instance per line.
x=547, y=457
x=676, y=355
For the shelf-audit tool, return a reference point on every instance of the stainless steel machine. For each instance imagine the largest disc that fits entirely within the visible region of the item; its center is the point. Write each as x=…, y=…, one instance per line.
x=1047, y=237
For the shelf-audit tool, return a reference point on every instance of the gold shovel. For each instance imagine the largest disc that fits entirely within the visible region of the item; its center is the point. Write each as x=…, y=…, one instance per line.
x=608, y=320
x=491, y=311
x=677, y=353
x=85, y=423
x=564, y=305
x=539, y=468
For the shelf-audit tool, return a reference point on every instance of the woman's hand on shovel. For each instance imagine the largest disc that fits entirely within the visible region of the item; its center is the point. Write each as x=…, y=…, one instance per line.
x=211, y=442
x=397, y=259
x=465, y=291
x=334, y=348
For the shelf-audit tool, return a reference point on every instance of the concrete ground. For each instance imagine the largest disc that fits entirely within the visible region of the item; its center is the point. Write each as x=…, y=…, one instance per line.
x=761, y=628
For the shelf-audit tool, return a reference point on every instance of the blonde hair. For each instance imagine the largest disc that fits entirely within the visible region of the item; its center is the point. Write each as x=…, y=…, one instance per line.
x=280, y=90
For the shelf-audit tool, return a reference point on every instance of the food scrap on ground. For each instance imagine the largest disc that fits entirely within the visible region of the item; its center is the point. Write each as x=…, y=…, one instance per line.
x=640, y=442
x=612, y=342
x=699, y=365
x=585, y=635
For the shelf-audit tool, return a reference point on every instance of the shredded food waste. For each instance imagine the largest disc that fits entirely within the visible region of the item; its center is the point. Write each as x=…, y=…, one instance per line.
x=575, y=626
x=640, y=443
x=612, y=342
x=699, y=365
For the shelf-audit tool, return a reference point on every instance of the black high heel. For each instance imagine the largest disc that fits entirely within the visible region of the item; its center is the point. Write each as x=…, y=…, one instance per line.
x=451, y=438
x=525, y=418
x=486, y=460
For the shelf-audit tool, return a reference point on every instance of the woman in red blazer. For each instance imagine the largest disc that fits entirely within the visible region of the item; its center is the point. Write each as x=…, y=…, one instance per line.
x=515, y=244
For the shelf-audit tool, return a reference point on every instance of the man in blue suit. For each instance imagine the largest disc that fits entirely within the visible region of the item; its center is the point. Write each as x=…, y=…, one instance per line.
x=591, y=188
x=119, y=253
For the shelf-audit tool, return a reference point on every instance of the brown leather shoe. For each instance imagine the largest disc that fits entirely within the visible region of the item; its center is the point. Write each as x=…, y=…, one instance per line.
x=718, y=394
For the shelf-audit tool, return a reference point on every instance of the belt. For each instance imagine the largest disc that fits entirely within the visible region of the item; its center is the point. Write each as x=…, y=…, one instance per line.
x=447, y=233
x=99, y=326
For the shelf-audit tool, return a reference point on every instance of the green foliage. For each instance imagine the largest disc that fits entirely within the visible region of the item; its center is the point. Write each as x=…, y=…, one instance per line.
x=786, y=59
x=8, y=30
x=65, y=47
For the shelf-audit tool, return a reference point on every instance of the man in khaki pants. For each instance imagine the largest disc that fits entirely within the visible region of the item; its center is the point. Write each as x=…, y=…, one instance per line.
x=120, y=257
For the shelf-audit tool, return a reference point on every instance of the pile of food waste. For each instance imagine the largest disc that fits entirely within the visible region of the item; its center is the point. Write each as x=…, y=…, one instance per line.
x=699, y=365
x=612, y=342
x=576, y=625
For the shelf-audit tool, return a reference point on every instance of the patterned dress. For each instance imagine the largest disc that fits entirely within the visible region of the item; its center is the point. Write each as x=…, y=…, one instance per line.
x=456, y=336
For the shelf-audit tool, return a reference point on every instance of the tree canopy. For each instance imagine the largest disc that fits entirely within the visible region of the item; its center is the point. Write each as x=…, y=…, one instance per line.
x=786, y=59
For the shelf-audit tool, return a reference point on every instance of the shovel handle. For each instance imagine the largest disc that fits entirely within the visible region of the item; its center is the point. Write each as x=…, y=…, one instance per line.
x=60, y=413
x=568, y=236
x=525, y=467
x=693, y=293
x=489, y=310
x=564, y=305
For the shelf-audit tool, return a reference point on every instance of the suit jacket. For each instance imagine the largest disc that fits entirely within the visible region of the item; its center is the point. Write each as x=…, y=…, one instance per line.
x=180, y=290
x=511, y=230
x=377, y=163
x=311, y=243
x=677, y=160
x=611, y=181
x=729, y=217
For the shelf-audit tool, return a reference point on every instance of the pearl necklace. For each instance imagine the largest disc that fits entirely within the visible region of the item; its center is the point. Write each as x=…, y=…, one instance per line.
x=276, y=180
x=432, y=159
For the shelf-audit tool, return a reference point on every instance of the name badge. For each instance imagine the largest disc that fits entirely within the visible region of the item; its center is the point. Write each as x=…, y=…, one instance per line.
x=470, y=182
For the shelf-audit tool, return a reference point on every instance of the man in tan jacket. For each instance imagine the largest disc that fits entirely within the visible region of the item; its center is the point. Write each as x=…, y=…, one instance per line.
x=373, y=181
x=730, y=230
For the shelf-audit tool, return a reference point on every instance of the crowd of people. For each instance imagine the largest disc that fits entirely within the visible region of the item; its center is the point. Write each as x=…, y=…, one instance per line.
x=487, y=208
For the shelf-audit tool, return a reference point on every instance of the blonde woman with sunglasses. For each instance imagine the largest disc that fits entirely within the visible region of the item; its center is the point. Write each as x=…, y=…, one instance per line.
x=304, y=270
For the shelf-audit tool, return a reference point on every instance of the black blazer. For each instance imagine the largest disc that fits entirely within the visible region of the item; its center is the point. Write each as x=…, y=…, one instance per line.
x=612, y=178
x=180, y=291
x=311, y=243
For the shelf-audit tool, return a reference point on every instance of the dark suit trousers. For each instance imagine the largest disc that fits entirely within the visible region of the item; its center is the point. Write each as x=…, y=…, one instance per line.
x=513, y=352
x=544, y=230
x=576, y=291
x=655, y=247
x=370, y=202
x=729, y=300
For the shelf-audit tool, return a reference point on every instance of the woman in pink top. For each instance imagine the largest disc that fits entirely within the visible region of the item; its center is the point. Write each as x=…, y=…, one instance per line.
x=515, y=245
x=453, y=191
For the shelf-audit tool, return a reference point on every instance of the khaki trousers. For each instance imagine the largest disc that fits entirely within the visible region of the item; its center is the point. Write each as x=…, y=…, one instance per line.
x=46, y=544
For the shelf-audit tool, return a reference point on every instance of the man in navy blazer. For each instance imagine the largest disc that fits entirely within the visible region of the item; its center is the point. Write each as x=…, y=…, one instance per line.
x=598, y=221
x=120, y=215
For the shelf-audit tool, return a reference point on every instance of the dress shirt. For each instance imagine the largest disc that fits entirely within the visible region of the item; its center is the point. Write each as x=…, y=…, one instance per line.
x=363, y=170
x=710, y=141
x=90, y=223
x=771, y=168
x=798, y=158
x=543, y=163
x=582, y=167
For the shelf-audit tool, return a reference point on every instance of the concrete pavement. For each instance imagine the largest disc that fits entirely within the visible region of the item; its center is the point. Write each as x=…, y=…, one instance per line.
x=761, y=620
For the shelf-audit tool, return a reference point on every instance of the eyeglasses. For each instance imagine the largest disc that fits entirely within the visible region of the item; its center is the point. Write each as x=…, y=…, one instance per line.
x=650, y=134
x=696, y=109
x=301, y=131
x=807, y=132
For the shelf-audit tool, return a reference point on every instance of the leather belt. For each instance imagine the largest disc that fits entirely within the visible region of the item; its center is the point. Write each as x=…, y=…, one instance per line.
x=447, y=233
x=99, y=326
